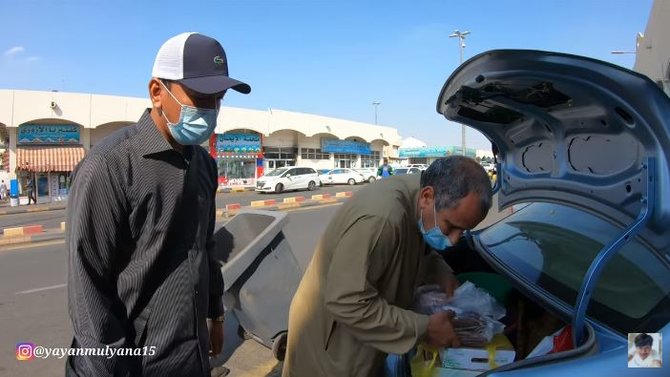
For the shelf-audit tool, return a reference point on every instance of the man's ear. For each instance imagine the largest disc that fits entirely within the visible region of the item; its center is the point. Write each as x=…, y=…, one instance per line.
x=426, y=197
x=155, y=91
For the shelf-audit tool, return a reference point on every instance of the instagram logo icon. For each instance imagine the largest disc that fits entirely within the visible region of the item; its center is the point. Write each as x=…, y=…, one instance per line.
x=24, y=351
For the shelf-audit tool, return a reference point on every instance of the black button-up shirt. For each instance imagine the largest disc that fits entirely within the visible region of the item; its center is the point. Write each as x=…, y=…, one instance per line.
x=142, y=273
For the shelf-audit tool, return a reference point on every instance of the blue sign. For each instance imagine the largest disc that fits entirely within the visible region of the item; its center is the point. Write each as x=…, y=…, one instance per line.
x=345, y=146
x=14, y=188
x=438, y=151
x=423, y=152
x=238, y=143
x=48, y=134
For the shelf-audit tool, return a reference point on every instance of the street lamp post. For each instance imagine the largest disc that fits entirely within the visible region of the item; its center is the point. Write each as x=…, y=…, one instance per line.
x=461, y=45
x=375, y=104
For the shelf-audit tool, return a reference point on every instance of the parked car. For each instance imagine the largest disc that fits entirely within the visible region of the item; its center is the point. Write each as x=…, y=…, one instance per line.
x=488, y=166
x=403, y=171
x=323, y=171
x=343, y=176
x=584, y=145
x=289, y=178
x=418, y=166
x=370, y=174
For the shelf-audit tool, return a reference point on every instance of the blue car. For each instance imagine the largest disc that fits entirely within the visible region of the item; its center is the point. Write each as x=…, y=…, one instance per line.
x=583, y=166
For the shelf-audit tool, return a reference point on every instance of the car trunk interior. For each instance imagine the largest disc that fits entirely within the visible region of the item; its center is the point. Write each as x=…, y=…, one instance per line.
x=527, y=321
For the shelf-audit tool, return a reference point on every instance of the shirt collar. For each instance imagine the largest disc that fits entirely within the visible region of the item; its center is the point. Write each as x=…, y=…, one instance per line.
x=151, y=141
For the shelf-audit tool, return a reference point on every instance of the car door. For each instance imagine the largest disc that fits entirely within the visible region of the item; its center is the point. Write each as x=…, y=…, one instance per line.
x=305, y=176
x=291, y=179
x=335, y=176
x=344, y=176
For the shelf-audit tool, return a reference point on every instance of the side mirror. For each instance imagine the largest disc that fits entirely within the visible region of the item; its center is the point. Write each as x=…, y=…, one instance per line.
x=288, y=176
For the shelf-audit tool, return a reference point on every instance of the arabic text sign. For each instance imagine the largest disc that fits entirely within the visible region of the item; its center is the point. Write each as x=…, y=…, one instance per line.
x=238, y=143
x=48, y=134
x=437, y=151
x=345, y=146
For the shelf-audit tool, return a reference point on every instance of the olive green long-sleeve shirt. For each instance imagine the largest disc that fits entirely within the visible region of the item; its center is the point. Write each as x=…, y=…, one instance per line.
x=351, y=307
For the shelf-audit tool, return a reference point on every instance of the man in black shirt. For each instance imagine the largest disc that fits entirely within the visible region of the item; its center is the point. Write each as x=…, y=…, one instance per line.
x=142, y=276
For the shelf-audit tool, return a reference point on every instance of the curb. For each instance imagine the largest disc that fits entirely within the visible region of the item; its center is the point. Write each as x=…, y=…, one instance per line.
x=28, y=209
x=227, y=190
x=221, y=214
x=22, y=230
x=14, y=210
x=17, y=240
x=288, y=203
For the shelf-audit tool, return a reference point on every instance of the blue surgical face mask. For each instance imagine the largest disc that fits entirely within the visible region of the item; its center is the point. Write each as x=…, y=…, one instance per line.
x=434, y=237
x=195, y=125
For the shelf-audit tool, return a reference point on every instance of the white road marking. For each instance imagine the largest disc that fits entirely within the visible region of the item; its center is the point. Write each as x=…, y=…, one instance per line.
x=41, y=289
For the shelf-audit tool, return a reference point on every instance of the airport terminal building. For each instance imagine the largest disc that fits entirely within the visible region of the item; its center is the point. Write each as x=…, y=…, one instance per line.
x=45, y=134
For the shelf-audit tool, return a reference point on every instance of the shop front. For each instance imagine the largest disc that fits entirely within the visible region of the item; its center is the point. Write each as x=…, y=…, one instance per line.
x=239, y=158
x=47, y=154
x=347, y=152
x=426, y=155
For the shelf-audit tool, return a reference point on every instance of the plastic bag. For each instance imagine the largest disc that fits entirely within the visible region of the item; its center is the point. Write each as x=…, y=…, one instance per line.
x=474, y=330
x=430, y=299
x=424, y=363
x=476, y=312
x=469, y=298
x=559, y=341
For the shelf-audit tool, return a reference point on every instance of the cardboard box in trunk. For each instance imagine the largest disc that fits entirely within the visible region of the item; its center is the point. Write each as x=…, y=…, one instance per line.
x=496, y=353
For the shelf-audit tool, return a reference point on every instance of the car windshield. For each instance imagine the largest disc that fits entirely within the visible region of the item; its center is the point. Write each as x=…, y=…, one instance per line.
x=553, y=246
x=400, y=171
x=276, y=173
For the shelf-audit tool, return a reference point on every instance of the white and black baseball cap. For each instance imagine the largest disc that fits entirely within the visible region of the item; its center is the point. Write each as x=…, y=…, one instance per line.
x=197, y=62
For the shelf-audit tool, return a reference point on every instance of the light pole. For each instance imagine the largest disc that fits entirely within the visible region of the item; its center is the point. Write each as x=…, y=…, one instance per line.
x=461, y=45
x=375, y=104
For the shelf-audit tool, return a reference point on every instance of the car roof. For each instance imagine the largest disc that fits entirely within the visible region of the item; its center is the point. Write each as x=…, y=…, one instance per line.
x=569, y=129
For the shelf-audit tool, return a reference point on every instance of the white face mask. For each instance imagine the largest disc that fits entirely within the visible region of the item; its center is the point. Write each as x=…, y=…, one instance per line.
x=195, y=125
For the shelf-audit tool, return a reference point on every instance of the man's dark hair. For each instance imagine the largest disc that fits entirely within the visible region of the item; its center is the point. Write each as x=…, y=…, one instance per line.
x=167, y=83
x=453, y=178
x=642, y=340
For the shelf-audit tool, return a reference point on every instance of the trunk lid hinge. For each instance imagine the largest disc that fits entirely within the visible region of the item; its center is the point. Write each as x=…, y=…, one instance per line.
x=611, y=249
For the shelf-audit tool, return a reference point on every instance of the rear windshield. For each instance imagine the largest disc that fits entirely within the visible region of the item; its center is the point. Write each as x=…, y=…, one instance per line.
x=553, y=246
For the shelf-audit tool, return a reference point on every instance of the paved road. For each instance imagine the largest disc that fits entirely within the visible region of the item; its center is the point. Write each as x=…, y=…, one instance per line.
x=52, y=219
x=33, y=302
x=33, y=306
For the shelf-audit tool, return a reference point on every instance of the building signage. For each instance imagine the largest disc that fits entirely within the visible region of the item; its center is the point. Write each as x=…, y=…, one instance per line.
x=48, y=134
x=238, y=143
x=438, y=151
x=345, y=146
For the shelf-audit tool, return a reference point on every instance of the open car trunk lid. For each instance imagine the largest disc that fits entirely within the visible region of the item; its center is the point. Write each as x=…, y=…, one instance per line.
x=575, y=131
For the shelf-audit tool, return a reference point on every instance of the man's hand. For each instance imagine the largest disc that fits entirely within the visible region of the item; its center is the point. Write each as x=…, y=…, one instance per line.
x=440, y=331
x=449, y=285
x=215, y=337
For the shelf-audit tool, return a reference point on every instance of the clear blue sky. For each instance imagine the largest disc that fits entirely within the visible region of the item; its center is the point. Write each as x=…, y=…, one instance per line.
x=332, y=58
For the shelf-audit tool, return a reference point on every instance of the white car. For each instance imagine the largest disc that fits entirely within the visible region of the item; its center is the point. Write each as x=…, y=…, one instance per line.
x=418, y=166
x=406, y=170
x=289, y=178
x=343, y=176
x=370, y=174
